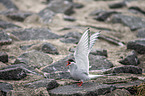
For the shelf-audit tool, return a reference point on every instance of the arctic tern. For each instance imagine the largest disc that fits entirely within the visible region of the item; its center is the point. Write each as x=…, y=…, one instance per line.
x=79, y=68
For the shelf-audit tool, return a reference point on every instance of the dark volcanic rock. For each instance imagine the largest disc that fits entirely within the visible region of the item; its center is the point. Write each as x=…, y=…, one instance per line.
x=69, y=18
x=38, y=84
x=137, y=45
x=25, y=47
x=136, y=9
x=117, y=5
x=12, y=74
x=124, y=69
x=22, y=66
x=87, y=89
x=101, y=52
x=58, y=70
x=55, y=6
x=71, y=37
x=3, y=57
x=4, y=39
x=59, y=65
x=4, y=88
x=128, y=69
x=9, y=4
x=99, y=62
x=51, y=85
x=46, y=15
x=132, y=22
x=132, y=90
x=104, y=15
x=78, y=5
x=47, y=1
x=70, y=40
x=34, y=59
x=59, y=75
x=35, y=34
x=61, y=6
x=119, y=92
x=49, y=48
x=130, y=59
x=6, y=25
x=141, y=33
x=76, y=35
x=18, y=15
x=130, y=86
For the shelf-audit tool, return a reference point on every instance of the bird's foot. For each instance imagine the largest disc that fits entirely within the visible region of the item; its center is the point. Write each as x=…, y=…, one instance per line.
x=80, y=84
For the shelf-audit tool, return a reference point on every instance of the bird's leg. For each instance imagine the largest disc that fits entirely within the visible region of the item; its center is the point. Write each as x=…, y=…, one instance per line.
x=80, y=84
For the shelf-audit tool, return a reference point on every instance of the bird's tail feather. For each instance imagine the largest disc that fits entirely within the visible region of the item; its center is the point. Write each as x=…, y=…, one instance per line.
x=95, y=76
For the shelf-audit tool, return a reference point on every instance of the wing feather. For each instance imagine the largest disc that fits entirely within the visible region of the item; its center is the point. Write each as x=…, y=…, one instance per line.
x=93, y=38
x=83, y=49
x=81, y=52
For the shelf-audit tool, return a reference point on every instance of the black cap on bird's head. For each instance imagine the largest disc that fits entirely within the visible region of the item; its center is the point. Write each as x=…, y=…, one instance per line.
x=69, y=61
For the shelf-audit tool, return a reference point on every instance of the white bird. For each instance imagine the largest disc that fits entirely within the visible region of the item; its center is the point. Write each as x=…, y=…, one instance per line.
x=79, y=70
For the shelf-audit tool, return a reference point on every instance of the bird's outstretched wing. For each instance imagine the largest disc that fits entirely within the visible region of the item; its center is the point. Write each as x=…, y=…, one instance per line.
x=81, y=52
x=83, y=49
x=93, y=38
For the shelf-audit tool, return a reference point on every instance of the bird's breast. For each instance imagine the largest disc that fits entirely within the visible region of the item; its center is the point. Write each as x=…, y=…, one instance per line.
x=79, y=75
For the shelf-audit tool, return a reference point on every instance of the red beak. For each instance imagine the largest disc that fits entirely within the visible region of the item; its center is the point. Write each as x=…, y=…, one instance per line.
x=68, y=63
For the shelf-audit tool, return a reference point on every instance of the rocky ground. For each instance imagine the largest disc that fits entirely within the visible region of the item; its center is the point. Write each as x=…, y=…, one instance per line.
x=37, y=37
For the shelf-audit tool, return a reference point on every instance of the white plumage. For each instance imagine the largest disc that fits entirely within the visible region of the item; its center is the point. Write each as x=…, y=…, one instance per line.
x=80, y=69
